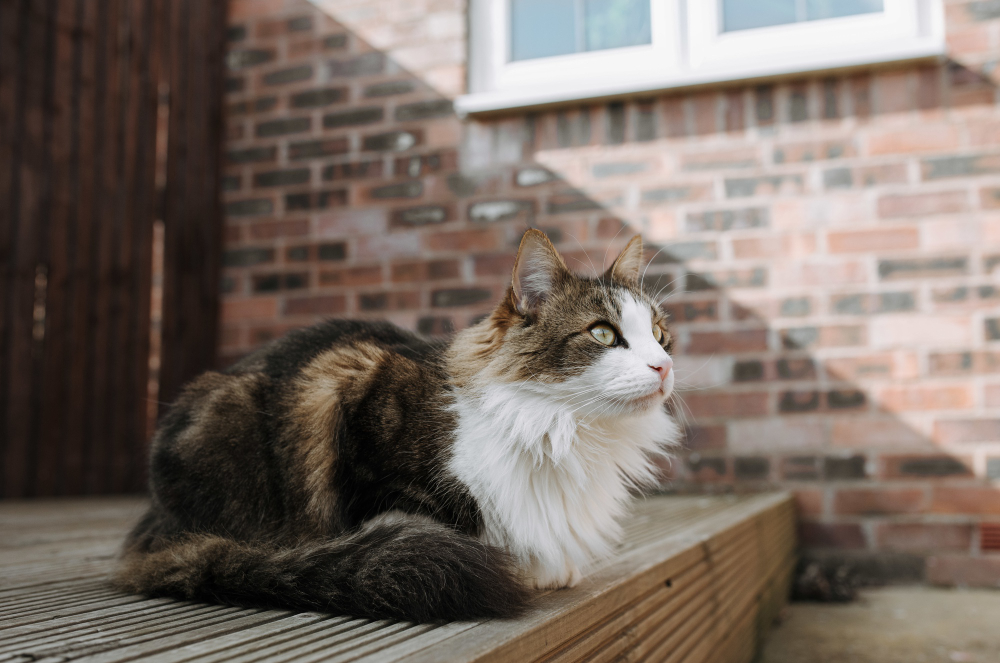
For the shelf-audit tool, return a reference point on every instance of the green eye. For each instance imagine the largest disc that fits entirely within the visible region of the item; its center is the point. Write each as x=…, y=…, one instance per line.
x=658, y=333
x=604, y=334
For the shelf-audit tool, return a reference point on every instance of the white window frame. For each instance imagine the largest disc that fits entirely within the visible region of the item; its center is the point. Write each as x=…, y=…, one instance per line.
x=689, y=48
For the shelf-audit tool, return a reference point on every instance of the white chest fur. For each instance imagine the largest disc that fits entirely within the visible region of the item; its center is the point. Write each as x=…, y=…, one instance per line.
x=552, y=487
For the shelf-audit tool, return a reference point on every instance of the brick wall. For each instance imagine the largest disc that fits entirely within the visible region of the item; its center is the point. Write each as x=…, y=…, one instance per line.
x=828, y=247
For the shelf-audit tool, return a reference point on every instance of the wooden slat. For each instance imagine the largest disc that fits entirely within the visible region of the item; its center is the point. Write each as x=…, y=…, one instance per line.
x=728, y=561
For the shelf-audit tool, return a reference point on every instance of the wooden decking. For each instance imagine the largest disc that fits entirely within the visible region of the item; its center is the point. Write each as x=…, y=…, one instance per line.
x=698, y=579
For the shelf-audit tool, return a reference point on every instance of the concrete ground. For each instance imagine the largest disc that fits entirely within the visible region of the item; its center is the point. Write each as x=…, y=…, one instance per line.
x=891, y=625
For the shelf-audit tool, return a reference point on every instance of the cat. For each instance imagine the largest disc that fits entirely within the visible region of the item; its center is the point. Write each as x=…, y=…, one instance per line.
x=357, y=468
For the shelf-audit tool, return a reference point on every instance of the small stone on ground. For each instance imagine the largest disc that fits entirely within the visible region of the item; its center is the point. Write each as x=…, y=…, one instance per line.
x=891, y=625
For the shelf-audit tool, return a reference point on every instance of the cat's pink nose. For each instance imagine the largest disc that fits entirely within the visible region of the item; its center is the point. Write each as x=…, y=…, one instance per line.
x=663, y=366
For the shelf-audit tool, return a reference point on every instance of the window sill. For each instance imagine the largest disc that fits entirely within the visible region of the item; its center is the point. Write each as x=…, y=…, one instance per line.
x=527, y=98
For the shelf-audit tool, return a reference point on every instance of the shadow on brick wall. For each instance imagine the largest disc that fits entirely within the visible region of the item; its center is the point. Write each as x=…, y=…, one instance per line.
x=832, y=334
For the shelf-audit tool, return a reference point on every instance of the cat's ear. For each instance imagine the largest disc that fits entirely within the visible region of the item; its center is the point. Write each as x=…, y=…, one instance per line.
x=537, y=268
x=628, y=263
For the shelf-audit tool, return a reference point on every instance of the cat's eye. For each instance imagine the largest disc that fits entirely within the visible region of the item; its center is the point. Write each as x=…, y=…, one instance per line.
x=658, y=333
x=604, y=334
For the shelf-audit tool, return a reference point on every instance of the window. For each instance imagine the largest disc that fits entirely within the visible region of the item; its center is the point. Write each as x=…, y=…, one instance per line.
x=531, y=52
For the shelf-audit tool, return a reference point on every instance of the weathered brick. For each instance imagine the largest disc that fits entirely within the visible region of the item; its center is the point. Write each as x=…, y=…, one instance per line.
x=798, y=401
x=433, y=270
x=755, y=277
x=421, y=215
x=832, y=336
x=281, y=177
x=247, y=257
x=231, y=182
x=800, y=468
x=730, y=219
x=283, y=127
x=912, y=268
x=299, y=253
x=459, y=297
x=912, y=467
x=895, y=206
x=991, y=329
x=831, y=535
x=423, y=110
x=691, y=311
x=252, y=207
x=864, y=304
x=353, y=117
x=963, y=570
x=353, y=170
x=318, y=98
x=236, y=32
x=259, y=105
x=435, y=325
x=412, y=189
x=250, y=308
x=878, y=502
x=851, y=467
x=248, y=57
x=814, y=151
x=571, y=201
x=796, y=369
x=845, y=399
x=332, y=251
x=234, y=84
x=388, y=301
x=315, y=200
x=707, y=469
x=312, y=149
x=764, y=185
x=335, y=41
x=964, y=363
x=684, y=251
x=746, y=157
x=617, y=169
x=960, y=166
x=393, y=141
x=748, y=371
x=276, y=282
x=274, y=228
x=751, y=468
x=490, y=211
x=296, y=74
x=424, y=164
x=389, y=88
x=526, y=177
x=362, y=65
x=252, y=154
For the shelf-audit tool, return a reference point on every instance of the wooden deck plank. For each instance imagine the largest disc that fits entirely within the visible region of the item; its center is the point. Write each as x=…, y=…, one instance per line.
x=695, y=580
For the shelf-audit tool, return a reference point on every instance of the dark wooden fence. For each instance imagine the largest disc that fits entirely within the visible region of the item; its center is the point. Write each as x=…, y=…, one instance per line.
x=110, y=118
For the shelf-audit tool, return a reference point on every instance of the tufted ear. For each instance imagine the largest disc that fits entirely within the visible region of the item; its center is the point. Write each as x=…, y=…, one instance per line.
x=628, y=263
x=536, y=269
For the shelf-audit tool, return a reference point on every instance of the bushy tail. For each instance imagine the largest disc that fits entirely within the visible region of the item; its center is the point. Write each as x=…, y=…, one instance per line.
x=412, y=571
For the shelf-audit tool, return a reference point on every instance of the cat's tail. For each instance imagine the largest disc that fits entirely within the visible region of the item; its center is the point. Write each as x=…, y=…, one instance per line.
x=404, y=570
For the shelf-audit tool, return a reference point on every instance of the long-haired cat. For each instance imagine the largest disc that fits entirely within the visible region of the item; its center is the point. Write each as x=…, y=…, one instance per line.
x=357, y=468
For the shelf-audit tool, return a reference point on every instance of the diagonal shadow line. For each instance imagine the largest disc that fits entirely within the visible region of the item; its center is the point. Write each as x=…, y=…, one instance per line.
x=494, y=179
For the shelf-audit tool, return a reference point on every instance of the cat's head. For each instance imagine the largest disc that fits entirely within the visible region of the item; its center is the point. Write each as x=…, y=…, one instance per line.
x=599, y=343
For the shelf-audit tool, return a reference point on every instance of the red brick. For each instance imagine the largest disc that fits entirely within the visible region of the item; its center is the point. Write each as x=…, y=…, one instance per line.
x=865, y=241
x=351, y=276
x=808, y=503
x=964, y=570
x=923, y=537
x=846, y=536
x=254, y=308
x=434, y=270
x=747, y=340
x=702, y=438
x=922, y=204
x=900, y=399
x=727, y=404
x=464, y=240
x=495, y=265
x=862, y=433
x=991, y=395
x=273, y=229
x=871, y=501
x=926, y=466
x=981, y=500
x=316, y=305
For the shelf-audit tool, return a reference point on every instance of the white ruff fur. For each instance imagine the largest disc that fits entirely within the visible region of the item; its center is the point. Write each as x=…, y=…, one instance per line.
x=551, y=465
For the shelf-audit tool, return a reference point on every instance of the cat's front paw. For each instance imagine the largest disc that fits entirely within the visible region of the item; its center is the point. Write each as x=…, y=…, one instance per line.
x=554, y=576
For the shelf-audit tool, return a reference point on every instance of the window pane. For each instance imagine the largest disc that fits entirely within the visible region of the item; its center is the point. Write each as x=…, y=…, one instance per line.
x=540, y=28
x=616, y=23
x=748, y=14
x=819, y=9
